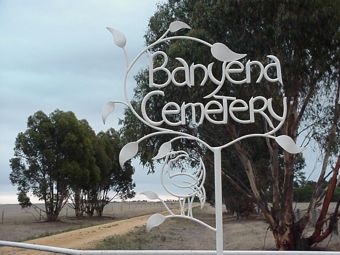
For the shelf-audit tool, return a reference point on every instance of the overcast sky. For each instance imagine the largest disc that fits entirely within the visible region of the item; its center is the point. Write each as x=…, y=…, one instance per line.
x=58, y=55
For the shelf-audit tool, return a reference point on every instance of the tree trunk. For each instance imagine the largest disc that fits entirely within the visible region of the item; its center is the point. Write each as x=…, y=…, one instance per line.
x=52, y=216
x=320, y=233
x=77, y=203
x=100, y=211
x=284, y=238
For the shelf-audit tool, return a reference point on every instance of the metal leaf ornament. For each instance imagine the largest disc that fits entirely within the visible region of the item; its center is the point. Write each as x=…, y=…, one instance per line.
x=178, y=25
x=154, y=221
x=163, y=150
x=127, y=152
x=288, y=144
x=150, y=195
x=223, y=53
x=118, y=37
x=107, y=109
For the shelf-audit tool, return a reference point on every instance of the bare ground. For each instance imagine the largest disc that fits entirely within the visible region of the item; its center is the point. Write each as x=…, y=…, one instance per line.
x=174, y=234
x=23, y=224
x=82, y=238
x=245, y=234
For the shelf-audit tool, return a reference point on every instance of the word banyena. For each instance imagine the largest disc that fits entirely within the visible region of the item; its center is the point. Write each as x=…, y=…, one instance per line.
x=233, y=67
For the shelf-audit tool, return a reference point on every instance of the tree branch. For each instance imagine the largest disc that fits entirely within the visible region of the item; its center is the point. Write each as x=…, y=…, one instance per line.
x=274, y=166
x=331, y=140
x=318, y=235
x=249, y=168
x=238, y=186
x=305, y=103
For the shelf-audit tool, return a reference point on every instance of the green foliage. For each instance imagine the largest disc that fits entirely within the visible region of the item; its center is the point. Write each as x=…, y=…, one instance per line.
x=299, y=175
x=112, y=177
x=304, y=194
x=336, y=195
x=48, y=157
x=24, y=200
x=240, y=205
x=58, y=156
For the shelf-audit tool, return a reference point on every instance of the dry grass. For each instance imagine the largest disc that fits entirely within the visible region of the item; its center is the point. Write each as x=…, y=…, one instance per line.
x=244, y=234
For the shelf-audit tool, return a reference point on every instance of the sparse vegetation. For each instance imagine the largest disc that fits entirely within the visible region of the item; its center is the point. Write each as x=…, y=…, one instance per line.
x=134, y=240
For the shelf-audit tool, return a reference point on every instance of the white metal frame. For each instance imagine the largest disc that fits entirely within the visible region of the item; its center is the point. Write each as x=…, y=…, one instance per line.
x=155, y=252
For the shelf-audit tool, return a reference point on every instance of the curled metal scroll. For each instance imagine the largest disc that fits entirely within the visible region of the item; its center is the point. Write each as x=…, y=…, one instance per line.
x=185, y=184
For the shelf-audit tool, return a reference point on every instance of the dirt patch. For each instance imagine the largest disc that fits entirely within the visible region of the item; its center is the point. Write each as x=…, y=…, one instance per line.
x=82, y=238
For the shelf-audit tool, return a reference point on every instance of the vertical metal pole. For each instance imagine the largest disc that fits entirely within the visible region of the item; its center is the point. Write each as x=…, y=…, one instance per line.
x=218, y=201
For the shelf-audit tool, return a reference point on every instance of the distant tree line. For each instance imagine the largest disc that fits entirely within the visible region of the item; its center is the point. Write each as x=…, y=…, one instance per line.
x=60, y=159
x=305, y=192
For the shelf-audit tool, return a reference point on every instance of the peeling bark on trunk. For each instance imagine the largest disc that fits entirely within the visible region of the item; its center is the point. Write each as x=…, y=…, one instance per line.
x=319, y=233
x=284, y=239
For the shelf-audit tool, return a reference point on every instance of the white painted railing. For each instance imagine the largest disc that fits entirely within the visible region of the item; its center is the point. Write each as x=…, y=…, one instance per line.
x=156, y=252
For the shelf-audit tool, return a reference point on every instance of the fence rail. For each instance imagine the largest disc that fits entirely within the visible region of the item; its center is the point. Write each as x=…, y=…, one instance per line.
x=156, y=252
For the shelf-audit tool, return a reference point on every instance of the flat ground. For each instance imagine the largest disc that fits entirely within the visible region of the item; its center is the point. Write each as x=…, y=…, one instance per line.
x=244, y=234
x=18, y=224
x=85, y=238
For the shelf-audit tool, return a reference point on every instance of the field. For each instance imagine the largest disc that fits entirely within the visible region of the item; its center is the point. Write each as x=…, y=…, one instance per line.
x=114, y=233
x=245, y=234
x=18, y=224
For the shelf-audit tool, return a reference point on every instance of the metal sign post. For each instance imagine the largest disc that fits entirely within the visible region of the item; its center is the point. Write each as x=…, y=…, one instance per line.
x=219, y=104
x=218, y=201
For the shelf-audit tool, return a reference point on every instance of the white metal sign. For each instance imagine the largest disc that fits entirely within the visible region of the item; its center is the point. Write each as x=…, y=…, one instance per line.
x=224, y=105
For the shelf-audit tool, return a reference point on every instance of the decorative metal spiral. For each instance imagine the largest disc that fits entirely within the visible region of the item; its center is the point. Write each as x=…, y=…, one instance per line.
x=184, y=183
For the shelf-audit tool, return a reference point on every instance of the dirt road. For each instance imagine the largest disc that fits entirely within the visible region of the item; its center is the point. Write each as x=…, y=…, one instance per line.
x=83, y=238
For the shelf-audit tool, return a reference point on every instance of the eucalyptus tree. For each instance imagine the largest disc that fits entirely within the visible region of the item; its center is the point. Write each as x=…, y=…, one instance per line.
x=111, y=181
x=86, y=171
x=53, y=156
x=304, y=35
x=114, y=181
